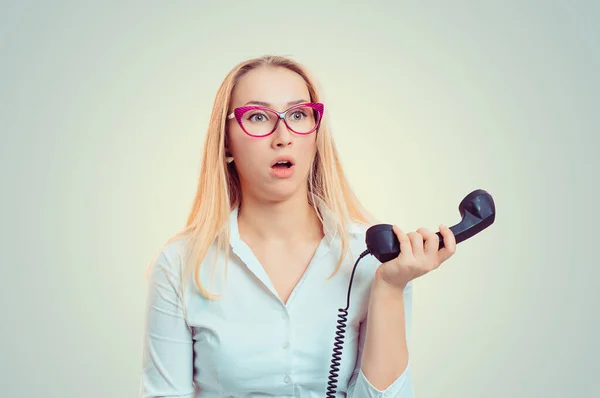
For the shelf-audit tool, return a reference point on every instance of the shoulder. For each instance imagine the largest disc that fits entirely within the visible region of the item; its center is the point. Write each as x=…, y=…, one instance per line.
x=357, y=233
x=170, y=257
x=356, y=227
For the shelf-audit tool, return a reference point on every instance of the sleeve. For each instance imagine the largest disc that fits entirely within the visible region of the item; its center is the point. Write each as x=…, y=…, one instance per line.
x=402, y=387
x=167, y=358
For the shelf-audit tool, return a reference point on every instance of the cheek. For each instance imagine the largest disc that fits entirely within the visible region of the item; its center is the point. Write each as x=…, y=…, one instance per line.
x=240, y=145
x=248, y=155
x=247, y=158
x=235, y=140
x=309, y=150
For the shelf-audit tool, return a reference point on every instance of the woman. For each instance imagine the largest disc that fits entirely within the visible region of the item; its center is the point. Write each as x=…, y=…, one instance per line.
x=269, y=247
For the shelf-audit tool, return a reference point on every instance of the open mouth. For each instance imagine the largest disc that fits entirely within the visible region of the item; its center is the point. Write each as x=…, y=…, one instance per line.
x=284, y=164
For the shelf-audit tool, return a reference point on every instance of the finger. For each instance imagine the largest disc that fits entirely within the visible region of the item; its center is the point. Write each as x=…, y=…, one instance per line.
x=449, y=243
x=416, y=241
x=405, y=245
x=431, y=247
x=432, y=241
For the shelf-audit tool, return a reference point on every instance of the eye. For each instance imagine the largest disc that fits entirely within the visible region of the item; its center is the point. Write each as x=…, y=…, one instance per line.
x=257, y=117
x=298, y=115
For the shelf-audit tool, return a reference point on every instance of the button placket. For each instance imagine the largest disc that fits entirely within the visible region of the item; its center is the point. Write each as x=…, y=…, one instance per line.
x=287, y=378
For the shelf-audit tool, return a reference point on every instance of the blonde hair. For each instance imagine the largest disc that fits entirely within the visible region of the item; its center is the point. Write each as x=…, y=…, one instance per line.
x=219, y=192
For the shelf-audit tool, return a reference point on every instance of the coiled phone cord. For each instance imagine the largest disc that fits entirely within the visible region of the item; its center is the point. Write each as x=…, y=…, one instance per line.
x=339, y=336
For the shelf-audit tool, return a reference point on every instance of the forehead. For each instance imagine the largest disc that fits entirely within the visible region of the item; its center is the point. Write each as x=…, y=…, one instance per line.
x=275, y=86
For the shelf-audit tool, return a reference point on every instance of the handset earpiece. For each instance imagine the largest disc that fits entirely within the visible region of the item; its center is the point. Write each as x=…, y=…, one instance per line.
x=477, y=210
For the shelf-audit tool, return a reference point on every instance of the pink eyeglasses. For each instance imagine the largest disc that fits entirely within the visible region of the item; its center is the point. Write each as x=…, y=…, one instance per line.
x=259, y=121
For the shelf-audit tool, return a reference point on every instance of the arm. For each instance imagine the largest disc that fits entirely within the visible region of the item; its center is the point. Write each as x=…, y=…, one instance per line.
x=167, y=369
x=383, y=367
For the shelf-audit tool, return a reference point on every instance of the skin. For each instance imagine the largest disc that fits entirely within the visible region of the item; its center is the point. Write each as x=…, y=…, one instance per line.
x=275, y=218
x=385, y=355
x=280, y=226
x=253, y=156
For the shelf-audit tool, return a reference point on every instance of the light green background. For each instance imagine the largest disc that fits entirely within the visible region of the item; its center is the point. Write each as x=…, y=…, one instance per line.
x=103, y=108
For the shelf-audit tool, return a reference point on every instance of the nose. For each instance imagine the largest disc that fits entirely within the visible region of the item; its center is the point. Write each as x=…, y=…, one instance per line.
x=282, y=136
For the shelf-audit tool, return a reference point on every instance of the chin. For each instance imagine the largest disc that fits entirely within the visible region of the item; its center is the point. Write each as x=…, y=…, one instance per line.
x=281, y=194
x=282, y=190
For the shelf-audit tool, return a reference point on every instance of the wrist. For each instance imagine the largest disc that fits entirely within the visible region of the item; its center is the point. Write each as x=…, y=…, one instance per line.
x=380, y=283
x=386, y=291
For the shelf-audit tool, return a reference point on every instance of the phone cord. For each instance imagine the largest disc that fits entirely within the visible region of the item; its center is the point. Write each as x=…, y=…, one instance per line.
x=339, y=339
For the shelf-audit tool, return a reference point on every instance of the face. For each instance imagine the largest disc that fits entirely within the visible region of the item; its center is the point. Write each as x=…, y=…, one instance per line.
x=255, y=157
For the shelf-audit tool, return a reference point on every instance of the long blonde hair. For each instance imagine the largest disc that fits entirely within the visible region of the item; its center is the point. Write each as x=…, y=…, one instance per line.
x=219, y=192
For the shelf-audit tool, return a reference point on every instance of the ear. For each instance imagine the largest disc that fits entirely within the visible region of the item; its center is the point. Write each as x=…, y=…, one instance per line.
x=228, y=157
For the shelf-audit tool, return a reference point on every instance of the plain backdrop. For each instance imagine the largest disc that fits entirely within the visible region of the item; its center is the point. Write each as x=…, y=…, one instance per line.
x=103, y=110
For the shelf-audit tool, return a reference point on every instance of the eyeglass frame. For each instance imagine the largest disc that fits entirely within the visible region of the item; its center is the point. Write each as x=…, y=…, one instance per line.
x=240, y=111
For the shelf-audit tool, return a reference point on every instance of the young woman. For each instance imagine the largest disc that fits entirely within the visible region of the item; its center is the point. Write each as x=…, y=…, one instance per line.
x=269, y=246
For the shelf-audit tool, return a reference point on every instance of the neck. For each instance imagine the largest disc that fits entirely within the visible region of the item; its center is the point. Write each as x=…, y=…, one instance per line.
x=291, y=220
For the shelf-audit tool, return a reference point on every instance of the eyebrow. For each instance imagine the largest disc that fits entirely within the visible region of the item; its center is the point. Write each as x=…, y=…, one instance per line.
x=262, y=103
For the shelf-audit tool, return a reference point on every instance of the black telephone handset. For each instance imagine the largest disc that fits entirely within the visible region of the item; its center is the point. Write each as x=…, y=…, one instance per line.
x=478, y=212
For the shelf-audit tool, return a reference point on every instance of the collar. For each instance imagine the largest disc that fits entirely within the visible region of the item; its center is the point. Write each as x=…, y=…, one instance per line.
x=243, y=251
x=328, y=219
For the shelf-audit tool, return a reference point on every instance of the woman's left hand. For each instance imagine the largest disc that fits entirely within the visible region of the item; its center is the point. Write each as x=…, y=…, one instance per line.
x=419, y=255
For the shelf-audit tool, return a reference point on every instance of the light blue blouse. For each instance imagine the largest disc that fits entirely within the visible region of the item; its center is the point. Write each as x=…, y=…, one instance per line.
x=249, y=343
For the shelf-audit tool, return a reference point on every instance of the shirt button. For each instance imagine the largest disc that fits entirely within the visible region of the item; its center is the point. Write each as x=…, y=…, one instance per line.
x=287, y=379
x=286, y=344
